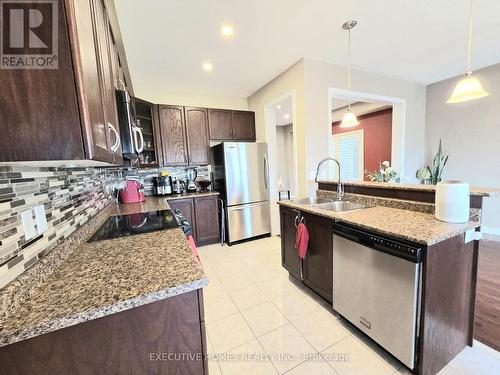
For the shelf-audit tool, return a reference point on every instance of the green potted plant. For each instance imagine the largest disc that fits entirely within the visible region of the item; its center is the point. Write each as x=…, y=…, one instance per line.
x=438, y=164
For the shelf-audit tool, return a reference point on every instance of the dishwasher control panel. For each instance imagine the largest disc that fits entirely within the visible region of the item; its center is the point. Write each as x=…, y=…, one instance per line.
x=399, y=248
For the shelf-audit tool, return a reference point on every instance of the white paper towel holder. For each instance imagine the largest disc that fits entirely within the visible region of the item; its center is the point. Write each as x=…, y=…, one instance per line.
x=452, y=201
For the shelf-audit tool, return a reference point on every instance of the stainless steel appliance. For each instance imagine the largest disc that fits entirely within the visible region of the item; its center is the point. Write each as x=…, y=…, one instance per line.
x=241, y=175
x=191, y=174
x=163, y=185
x=376, y=286
x=132, y=140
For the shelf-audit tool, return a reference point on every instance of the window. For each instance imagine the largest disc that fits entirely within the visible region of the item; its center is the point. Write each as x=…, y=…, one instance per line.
x=348, y=150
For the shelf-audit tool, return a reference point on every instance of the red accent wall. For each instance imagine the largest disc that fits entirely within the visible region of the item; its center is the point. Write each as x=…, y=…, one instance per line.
x=378, y=137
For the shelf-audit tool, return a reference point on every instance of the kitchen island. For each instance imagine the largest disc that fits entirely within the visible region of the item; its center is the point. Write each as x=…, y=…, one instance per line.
x=447, y=281
x=118, y=306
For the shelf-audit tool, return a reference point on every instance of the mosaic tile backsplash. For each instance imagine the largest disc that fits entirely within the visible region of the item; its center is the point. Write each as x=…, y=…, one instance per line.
x=70, y=196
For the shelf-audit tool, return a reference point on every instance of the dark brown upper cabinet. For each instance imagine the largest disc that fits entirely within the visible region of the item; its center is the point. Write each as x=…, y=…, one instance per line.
x=243, y=123
x=68, y=113
x=197, y=135
x=227, y=125
x=173, y=135
x=220, y=121
x=146, y=119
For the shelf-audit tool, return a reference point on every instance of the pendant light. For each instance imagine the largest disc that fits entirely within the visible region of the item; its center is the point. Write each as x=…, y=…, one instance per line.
x=469, y=87
x=349, y=120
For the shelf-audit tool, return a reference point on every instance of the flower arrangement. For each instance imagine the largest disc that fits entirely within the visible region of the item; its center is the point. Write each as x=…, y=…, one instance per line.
x=385, y=174
x=438, y=164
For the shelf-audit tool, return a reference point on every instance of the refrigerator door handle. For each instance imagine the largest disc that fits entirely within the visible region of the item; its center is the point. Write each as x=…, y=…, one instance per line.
x=248, y=205
x=266, y=172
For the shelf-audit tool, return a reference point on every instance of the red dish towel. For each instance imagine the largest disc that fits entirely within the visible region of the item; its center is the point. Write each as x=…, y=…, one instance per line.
x=193, y=247
x=301, y=240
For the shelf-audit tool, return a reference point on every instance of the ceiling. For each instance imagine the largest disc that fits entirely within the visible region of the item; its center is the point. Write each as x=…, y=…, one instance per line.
x=418, y=40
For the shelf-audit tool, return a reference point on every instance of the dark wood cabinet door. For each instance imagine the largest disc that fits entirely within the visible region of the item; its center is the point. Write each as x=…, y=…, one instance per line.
x=173, y=136
x=220, y=124
x=317, y=267
x=197, y=135
x=105, y=63
x=243, y=124
x=83, y=28
x=119, y=343
x=39, y=116
x=207, y=220
x=186, y=207
x=289, y=257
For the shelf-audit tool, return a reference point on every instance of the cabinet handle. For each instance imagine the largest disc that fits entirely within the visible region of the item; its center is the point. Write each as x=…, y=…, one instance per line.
x=138, y=131
x=116, y=145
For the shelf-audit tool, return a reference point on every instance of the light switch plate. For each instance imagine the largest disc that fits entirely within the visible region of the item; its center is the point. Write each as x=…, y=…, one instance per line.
x=28, y=224
x=41, y=220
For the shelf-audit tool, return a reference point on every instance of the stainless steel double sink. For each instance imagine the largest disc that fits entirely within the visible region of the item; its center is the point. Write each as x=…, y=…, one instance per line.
x=330, y=204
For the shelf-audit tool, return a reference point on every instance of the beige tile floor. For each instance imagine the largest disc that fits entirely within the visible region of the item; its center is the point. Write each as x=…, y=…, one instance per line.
x=259, y=321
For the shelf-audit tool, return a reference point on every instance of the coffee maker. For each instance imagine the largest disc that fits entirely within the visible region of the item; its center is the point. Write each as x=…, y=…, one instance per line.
x=163, y=184
x=191, y=174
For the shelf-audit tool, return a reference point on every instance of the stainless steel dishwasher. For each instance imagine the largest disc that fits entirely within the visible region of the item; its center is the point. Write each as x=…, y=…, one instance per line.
x=376, y=286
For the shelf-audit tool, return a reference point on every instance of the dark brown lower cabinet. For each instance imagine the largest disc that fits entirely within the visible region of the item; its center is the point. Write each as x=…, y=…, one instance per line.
x=142, y=340
x=317, y=267
x=315, y=270
x=186, y=207
x=289, y=257
x=448, y=285
x=203, y=214
x=207, y=220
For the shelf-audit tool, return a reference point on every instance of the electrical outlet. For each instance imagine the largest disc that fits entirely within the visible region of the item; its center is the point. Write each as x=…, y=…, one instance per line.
x=41, y=219
x=28, y=224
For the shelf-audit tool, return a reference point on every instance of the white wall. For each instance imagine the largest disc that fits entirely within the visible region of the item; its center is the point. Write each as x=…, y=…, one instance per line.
x=285, y=167
x=319, y=77
x=156, y=94
x=280, y=157
x=290, y=170
x=291, y=81
x=311, y=81
x=471, y=136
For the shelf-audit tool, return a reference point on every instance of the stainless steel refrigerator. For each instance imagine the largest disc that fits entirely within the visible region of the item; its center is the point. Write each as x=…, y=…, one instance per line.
x=241, y=175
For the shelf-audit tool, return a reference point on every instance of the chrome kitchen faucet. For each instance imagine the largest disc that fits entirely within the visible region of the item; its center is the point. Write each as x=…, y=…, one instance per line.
x=340, y=186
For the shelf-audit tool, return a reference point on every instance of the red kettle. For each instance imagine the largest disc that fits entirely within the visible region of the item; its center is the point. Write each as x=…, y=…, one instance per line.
x=133, y=193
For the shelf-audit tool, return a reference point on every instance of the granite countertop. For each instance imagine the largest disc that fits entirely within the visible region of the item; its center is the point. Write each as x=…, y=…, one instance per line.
x=478, y=191
x=106, y=277
x=413, y=226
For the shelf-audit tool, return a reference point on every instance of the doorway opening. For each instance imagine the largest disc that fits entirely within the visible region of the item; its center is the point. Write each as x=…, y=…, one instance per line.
x=282, y=151
x=377, y=142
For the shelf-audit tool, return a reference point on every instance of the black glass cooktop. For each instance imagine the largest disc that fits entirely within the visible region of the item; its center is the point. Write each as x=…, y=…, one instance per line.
x=129, y=225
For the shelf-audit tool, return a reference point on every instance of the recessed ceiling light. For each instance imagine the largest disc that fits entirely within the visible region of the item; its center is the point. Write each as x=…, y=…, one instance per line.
x=227, y=31
x=287, y=116
x=278, y=107
x=208, y=66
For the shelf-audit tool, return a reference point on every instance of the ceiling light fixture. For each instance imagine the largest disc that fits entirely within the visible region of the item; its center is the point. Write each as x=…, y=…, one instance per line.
x=469, y=87
x=278, y=107
x=349, y=120
x=227, y=31
x=208, y=66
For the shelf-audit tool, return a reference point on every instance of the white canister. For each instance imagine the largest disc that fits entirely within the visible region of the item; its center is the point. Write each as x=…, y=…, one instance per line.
x=452, y=201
